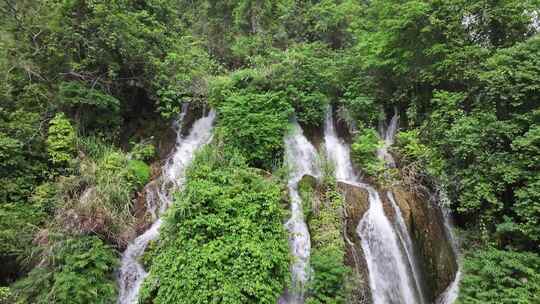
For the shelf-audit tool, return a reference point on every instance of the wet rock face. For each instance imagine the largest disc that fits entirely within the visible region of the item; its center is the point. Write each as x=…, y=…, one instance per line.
x=426, y=224
x=356, y=204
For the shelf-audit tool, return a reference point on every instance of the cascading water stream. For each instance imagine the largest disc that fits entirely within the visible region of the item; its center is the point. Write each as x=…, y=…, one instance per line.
x=406, y=241
x=450, y=295
x=389, y=277
x=158, y=199
x=301, y=156
x=403, y=234
x=388, y=138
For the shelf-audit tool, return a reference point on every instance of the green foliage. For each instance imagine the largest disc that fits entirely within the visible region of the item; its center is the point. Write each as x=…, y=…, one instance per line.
x=306, y=74
x=143, y=151
x=237, y=32
x=413, y=151
x=500, y=276
x=223, y=240
x=100, y=191
x=5, y=295
x=138, y=172
x=135, y=173
x=44, y=197
x=61, y=139
x=74, y=94
x=470, y=91
x=328, y=286
x=93, y=109
x=489, y=144
x=364, y=152
x=330, y=274
x=180, y=76
x=18, y=223
x=78, y=270
x=23, y=154
x=255, y=125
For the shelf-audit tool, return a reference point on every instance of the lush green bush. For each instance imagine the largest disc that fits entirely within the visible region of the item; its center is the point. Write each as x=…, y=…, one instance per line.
x=364, y=152
x=61, y=139
x=5, y=295
x=180, y=76
x=92, y=109
x=255, y=123
x=138, y=172
x=18, y=224
x=77, y=270
x=491, y=275
x=331, y=276
x=100, y=191
x=223, y=239
x=45, y=197
x=143, y=151
x=306, y=74
x=420, y=157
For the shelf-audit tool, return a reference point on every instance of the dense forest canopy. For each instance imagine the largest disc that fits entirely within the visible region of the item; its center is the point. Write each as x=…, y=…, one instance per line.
x=89, y=86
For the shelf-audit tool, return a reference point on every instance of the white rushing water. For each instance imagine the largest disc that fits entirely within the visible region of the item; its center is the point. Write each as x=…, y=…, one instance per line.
x=158, y=199
x=388, y=134
x=389, y=275
x=301, y=157
x=406, y=241
x=450, y=295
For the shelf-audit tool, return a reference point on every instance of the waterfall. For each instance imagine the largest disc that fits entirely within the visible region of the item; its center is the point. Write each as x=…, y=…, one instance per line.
x=389, y=278
x=403, y=234
x=450, y=295
x=158, y=199
x=406, y=241
x=301, y=157
x=388, y=140
x=389, y=275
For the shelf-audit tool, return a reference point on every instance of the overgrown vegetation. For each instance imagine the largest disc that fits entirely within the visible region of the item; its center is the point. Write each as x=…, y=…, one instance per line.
x=74, y=270
x=364, y=152
x=500, y=276
x=82, y=81
x=323, y=210
x=223, y=239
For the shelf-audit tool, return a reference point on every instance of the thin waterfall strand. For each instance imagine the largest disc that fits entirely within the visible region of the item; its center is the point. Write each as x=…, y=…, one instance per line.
x=449, y=296
x=301, y=156
x=406, y=241
x=131, y=273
